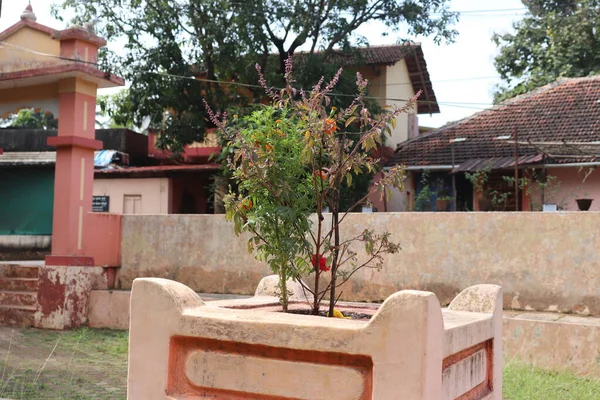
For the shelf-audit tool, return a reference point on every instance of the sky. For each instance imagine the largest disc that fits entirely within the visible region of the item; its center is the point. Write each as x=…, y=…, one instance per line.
x=462, y=72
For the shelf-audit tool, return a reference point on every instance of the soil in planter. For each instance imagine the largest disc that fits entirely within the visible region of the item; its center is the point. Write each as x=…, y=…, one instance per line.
x=322, y=313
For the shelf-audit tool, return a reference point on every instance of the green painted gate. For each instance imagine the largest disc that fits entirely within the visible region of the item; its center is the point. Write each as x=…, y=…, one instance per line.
x=26, y=200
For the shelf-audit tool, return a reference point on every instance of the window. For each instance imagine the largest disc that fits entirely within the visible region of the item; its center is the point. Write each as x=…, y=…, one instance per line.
x=132, y=204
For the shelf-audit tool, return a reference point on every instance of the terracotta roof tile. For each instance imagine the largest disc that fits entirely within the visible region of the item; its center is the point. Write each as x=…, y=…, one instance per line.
x=377, y=55
x=412, y=53
x=567, y=110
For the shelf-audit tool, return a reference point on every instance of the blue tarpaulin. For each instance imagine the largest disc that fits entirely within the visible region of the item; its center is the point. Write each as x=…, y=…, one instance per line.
x=103, y=158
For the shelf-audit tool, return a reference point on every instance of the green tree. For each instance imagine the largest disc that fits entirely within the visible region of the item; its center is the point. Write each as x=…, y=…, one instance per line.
x=117, y=108
x=293, y=158
x=30, y=118
x=558, y=38
x=223, y=39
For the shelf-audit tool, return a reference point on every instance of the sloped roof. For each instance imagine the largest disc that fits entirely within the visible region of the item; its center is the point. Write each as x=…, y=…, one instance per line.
x=21, y=158
x=375, y=55
x=412, y=53
x=23, y=23
x=154, y=171
x=555, y=121
x=102, y=158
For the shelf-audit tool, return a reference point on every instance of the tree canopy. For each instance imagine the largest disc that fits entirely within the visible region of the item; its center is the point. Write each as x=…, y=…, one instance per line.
x=30, y=118
x=557, y=38
x=222, y=40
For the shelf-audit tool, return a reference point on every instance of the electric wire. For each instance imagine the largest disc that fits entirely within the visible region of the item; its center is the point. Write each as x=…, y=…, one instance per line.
x=254, y=86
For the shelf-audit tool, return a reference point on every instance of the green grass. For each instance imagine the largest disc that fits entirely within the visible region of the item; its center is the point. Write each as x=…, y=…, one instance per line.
x=101, y=341
x=83, y=364
x=91, y=364
x=524, y=382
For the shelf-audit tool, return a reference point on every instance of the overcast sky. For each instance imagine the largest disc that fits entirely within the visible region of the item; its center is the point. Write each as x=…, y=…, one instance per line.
x=462, y=73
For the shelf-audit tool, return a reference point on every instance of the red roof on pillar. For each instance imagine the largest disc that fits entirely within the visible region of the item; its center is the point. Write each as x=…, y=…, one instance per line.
x=81, y=34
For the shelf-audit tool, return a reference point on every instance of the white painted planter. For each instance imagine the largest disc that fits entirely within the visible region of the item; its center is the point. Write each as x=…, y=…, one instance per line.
x=181, y=347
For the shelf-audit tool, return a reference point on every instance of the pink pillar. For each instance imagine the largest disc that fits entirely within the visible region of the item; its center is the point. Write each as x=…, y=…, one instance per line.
x=74, y=175
x=75, y=145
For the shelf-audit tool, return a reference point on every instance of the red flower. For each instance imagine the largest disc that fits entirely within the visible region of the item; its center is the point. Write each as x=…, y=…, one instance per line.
x=246, y=205
x=330, y=126
x=320, y=174
x=321, y=261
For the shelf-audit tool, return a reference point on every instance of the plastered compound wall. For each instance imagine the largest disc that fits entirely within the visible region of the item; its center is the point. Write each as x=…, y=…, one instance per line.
x=543, y=261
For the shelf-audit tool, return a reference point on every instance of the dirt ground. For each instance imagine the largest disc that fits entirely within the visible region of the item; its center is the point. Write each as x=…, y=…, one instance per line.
x=82, y=364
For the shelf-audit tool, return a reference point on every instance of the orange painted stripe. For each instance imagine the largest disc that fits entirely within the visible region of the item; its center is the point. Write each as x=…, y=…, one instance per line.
x=181, y=347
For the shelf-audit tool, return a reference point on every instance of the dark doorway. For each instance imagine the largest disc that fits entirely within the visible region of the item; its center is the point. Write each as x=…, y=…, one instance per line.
x=464, y=193
x=188, y=203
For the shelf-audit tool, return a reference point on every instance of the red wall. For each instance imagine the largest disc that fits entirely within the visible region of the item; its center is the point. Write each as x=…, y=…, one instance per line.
x=196, y=187
x=103, y=238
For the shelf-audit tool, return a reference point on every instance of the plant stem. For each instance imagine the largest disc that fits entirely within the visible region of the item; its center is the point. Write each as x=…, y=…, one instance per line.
x=336, y=227
x=283, y=288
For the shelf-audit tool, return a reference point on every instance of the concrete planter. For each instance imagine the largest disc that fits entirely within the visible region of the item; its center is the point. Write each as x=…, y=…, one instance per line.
x=181, y=347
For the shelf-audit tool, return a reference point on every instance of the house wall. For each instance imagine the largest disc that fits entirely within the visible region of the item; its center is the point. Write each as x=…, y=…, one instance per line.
x=154, y=193
x=399, y=200
x=391, y=82
x=14, y=58
x=570, y=186
x=399, y=86
x=34, y=40
x=543, y=261
x=376, y=75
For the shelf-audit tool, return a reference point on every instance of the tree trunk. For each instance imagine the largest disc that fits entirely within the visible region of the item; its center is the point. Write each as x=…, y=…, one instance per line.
x=283, y=288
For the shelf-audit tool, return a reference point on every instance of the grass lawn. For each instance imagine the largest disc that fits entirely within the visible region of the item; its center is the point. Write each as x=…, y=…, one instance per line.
x=524, y=382
x=85, y=364
x=90, y=364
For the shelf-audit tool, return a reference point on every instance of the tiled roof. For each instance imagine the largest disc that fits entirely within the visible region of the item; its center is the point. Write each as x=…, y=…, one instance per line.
x=154, y=171
x=39, y=158
x=547, y=121
x=412, y=53
x=21, y=158
x=377, y=55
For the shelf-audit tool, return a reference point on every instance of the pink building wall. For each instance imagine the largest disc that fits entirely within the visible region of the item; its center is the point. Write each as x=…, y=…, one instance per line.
x=153, y=192
x=569, y=186
x=103, y=239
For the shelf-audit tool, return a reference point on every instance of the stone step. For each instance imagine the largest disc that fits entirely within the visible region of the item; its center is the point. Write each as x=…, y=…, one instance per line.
x=8, y=298
x=19, y=284
x=21, y=316
x=19, y=271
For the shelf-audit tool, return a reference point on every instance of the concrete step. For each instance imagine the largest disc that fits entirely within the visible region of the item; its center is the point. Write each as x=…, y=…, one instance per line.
x=21, y=316
x=8, y=270
x=8, y=298
x=19, y=284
